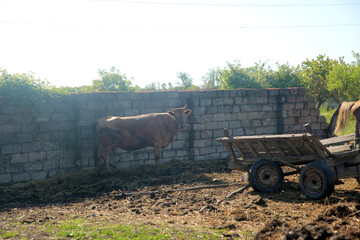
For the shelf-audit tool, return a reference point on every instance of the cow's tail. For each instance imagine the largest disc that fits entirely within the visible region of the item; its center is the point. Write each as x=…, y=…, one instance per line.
x=95, y=145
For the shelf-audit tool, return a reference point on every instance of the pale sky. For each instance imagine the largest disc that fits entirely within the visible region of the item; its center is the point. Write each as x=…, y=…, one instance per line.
x=67, y=41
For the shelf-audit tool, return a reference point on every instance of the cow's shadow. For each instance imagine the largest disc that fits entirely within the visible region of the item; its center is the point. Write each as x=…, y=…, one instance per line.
x=68, y=188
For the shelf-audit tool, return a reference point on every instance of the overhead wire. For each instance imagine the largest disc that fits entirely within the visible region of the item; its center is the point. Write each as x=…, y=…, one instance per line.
x=234, y=4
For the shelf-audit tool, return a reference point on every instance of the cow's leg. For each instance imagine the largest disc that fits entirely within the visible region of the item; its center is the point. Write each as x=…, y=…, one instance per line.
x=103, y=153
x=157, y=158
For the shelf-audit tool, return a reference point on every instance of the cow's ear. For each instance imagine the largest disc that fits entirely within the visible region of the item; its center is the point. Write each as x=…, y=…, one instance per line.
x=187, y=112
x=171, y=113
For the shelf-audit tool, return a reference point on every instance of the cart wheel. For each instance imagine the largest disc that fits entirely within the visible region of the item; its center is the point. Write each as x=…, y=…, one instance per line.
x=316, y=180
x=265, y=176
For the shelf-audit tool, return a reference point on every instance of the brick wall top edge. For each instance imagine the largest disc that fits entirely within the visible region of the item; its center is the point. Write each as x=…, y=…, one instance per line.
x=300, y=89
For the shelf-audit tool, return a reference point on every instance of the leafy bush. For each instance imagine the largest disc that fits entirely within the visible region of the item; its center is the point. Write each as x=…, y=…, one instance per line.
x=24, y=90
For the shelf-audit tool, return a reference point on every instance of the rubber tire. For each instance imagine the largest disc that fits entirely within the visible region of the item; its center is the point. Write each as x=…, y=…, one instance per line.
x=262, y=180
x=317, y=180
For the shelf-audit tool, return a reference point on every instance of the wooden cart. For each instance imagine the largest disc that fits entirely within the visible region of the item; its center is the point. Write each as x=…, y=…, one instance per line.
x=319, y=162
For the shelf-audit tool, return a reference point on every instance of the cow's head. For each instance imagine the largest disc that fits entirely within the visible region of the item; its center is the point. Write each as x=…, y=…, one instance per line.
x=180, y=115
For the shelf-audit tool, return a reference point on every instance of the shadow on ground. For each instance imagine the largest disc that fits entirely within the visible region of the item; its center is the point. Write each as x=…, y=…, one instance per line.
x=75, y=187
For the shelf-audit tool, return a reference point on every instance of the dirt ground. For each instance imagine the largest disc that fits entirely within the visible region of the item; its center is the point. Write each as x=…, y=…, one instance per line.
x=285, y=214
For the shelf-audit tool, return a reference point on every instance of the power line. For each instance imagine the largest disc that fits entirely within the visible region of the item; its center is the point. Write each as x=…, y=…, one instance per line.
x=181, y=27
x=233, y=4
x=305, y=26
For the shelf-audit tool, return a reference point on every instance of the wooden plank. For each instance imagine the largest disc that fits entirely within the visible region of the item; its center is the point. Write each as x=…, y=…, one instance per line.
x=230, y=150
x=278, y=136
x=346, y=154
x=282, y=153
x=251, y=149
x=266, y=149
x=337, y=140
x=238, y=149
x=291, y=159
x=238, y=165
x=308, y=147
x=340, y=148
x=293, y=147
x=346, y=172
x=315, y=140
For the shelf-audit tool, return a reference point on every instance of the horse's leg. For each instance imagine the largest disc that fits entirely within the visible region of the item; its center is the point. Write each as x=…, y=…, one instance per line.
x=357, y=135
x=355, y=110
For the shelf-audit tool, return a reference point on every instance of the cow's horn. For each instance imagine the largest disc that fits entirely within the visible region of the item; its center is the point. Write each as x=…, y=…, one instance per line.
x=185, y=106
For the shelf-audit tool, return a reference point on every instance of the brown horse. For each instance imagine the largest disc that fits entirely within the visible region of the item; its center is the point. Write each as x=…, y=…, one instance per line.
x=341, y=115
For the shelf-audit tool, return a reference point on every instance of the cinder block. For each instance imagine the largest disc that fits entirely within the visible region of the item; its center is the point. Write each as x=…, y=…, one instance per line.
x=172, y=94
x=31, y=147
x=55, y=155
x=206, y=134
x=50, y=164
x=228, y=109
x=211, y=125
x=219, y=117
x=207, y=150
x=205, y=101
x=125, y=104
x=234, y=124
x=178, y=144
x=206, y=118
x=199, y=126
x=223, y=125
x=20, y=158
x=38, y=175
x=250, y=108
x=269, y=107
x=211, y=110
x=273, y=92
x=169, y=154
x=66, y=163
x=21, y=177
x=288, y=106
x=27, y=127
x=241, y=100
x=63, y=116
x=10, y=128
x=10, y=148
x=5, y=178
x=33, y=166
x=262, y=100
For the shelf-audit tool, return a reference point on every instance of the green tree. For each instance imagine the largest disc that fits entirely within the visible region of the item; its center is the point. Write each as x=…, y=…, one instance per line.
x=234, y=76
x=112, y=80
x=151, y=87
x=315, y=77
x=285, y=76
x=211, y=79
x=356, y=55
x=259, y=73
x=186, y=81
x=344, y=80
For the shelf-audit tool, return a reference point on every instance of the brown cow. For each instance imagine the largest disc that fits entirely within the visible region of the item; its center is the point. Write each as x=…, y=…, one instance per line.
x=136, y=132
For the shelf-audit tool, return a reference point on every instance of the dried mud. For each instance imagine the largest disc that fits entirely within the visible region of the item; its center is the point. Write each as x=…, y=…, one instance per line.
x=286, y=214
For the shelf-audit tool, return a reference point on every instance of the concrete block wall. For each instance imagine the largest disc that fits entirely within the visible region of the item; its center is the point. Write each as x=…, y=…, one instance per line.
x=59, y=138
